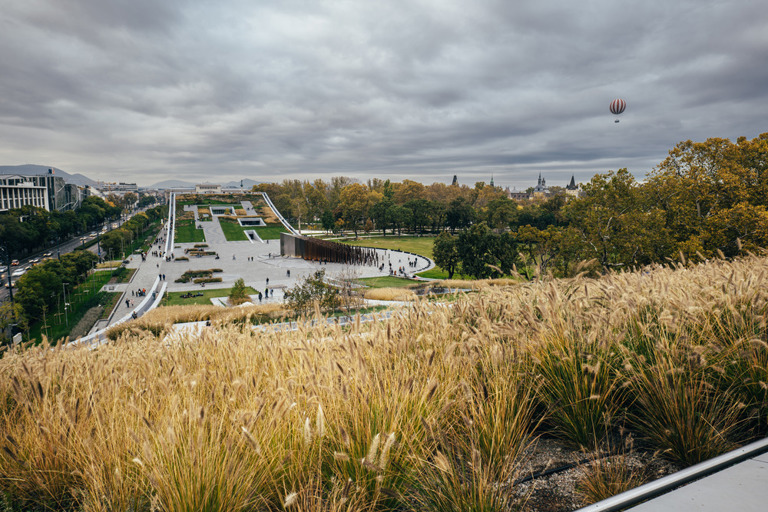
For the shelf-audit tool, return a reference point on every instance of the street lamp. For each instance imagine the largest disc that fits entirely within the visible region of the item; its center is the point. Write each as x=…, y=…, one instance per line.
x=64, y=292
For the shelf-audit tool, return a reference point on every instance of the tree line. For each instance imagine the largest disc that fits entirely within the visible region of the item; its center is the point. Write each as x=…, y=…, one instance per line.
x=409, y=206
x=116, y=241
x=41, y=288
x=706, y=199
x=29, y=229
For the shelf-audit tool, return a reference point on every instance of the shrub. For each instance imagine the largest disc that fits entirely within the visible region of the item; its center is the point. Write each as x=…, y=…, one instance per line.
x=577, y=388
x=200, y=280
x=238, y=293
x=609, y=476
x=313, y=291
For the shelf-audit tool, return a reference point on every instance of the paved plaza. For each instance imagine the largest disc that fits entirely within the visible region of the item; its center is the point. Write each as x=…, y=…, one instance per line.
x=254, y=261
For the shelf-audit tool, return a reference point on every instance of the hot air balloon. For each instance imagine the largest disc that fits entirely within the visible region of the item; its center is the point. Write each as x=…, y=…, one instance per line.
x=617, y=107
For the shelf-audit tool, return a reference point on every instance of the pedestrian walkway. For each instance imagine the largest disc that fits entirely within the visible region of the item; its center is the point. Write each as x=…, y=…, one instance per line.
x=743, y=487
x=213, y=232
x=146, y=274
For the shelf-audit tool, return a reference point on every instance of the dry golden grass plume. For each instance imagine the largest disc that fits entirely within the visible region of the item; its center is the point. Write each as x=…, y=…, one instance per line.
x=430, y=409
x=398, y=294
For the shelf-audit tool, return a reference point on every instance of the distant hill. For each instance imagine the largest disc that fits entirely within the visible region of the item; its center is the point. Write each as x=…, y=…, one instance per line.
x=32, y=170
x=247, y=184
x=172, y=184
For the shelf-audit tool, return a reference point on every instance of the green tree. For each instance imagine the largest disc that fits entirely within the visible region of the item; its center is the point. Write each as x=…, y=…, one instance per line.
x=712, y=193
x=313, y=291
x=478, y=248
x=238, y=294
x=459, y=214
x=420, y=209
x=355, y=203
x=501, y=213
x=380, y=212
x=618, y=226
x=400, y=216
x=445, y=252
x=10, y=315
x=328, y=221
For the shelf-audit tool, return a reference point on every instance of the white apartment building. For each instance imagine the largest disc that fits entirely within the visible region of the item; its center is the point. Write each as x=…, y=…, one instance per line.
x=17, y=191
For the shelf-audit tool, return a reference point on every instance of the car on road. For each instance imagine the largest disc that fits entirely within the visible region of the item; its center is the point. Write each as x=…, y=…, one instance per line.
x=48, y=255
x=15, y=263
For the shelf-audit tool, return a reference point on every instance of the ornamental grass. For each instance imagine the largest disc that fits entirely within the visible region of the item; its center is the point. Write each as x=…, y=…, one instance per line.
x=430, y=410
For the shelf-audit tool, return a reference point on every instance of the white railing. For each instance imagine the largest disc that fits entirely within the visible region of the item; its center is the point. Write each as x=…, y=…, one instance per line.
x=279, y=215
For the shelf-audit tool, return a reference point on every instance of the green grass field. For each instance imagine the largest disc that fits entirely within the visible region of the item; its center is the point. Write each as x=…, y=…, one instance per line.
x=270, y=232
x=385, y=282
x=232, y=230
x=174, y=298
x=186, y=232
x=416, y=244
x=421, y=245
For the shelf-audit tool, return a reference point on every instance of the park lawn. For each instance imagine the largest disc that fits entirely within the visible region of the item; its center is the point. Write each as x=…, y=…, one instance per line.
x=385, y=282
x=421, y=245
x=187, y=232
x=174, y=298
x=416, y=244
x=270, y=231
x=232, y=230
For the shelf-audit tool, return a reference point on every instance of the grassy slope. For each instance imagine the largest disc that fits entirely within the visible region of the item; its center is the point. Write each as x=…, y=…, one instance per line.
x=187, y=232
x=232, y=230
x=421, y=245
x=270, y=232
x=415, y=244
x=385, y=282
x=174, y=298
x=82, y=298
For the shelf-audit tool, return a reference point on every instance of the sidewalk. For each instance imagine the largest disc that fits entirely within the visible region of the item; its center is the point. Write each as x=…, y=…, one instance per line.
x=146, y=273
x=743, y=487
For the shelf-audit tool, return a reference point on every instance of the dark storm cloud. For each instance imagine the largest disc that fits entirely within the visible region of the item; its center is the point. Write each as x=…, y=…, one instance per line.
x=423, y=89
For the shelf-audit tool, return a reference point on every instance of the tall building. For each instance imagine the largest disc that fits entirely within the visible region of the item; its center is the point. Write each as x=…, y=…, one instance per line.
x=17, y=191
x=43, y=191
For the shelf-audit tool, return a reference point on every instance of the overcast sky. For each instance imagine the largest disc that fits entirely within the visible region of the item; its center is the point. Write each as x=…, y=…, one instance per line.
x=147, y=90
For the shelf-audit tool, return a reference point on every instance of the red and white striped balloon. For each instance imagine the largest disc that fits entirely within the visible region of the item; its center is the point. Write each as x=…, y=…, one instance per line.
x=618, y=106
